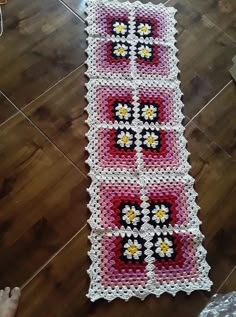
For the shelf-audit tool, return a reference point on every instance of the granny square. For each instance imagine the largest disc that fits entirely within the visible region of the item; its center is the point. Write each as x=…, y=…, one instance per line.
x=145, y=235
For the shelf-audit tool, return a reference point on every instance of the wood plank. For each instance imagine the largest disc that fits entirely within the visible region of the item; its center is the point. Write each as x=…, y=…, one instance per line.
x=42, y=200
x=216, y=188
x=60, y=115
x=229, y=285
x=42, y=42
x=78, y=6
x=200, y=82
x=218, y=119
x=6, y=109
x=221, y=12
x=204, y=60
x=65, y=280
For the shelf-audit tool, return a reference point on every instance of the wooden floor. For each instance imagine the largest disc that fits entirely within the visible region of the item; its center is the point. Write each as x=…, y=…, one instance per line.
x=43, y=175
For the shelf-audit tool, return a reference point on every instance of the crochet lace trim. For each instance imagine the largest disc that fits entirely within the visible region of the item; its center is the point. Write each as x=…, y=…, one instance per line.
x=145, y=233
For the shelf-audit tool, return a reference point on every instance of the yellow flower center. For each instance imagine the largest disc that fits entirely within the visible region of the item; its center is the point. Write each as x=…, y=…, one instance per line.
x=131, y=214
x=160, y=213
x=120, y=28
x=123, y=111
x=149, y=112
x=132, y=248
x=125, y=139
x=150, y=139
x=164, y=247
x=144, y=29
x=120, y=50
x=145, y=51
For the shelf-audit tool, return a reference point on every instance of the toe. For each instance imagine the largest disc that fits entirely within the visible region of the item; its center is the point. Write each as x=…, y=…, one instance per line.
x=15, y=293
x=6, y=293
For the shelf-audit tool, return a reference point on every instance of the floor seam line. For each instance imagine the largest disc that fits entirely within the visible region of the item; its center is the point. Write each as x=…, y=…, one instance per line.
x=8, y=119
x=212, y=140
x=210, y=101
x=71, y=10
x=213, y=22
x=51, y=87
x=29, y=280
x=49, y=140
x=231, y=272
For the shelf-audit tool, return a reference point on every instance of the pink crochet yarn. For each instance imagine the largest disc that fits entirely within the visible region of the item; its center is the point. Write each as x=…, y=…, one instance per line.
x=145, y=230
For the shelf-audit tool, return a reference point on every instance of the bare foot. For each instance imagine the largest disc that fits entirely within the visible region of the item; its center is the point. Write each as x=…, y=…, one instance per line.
x=9, y=303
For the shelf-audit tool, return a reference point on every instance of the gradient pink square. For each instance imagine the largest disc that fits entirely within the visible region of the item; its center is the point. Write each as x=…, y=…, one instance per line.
x=115, y=272
x=106, y=16
x=111, y=195
x=166, y=155
x=154, y=18
x=106, y=63
x=184, y=264
x=106, y=96
x=160, y=64
x=160, y=96
x=173, y=193
x=109, y=156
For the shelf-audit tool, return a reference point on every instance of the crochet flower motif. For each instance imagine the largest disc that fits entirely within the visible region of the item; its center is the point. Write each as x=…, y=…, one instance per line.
x=150, y=139
x=132, y=249
x=125, y=139
x=121, y=50
x=149, y=112
x=160, y=213
x=119, y=28
x=143, y=29
x=144, y=51
x=123, y=111
x=131, y=214
x=164, y=247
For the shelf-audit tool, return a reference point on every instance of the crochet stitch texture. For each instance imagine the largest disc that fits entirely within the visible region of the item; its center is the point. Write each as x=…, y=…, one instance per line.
x=145, y=233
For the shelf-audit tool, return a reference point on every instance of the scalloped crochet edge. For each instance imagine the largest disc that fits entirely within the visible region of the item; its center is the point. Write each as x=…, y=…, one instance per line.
x=203, y=283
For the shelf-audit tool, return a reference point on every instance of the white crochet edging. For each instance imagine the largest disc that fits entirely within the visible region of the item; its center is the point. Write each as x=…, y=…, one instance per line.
x=187, y=181
x=97, y=290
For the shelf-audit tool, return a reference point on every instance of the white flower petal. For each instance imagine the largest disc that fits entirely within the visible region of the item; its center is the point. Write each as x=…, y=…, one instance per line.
x=144, y=29
x=169, y=252
x=156, y=219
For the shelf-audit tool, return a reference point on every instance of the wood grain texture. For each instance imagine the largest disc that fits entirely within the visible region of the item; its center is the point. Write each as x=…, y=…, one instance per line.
x=78, y=6
x=43, y=196
x=218, y=120
x=6, y=109
x=65, y=125
x=200, y=82
x=229, y=285
x=42, y=42
x=202, y=74
x=216, y=196
x=42, y=200
x=221, y=12
x=65, y=279
x=60, y=115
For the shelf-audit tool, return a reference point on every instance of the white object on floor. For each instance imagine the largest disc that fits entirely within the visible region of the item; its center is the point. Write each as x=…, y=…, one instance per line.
x=1, y=22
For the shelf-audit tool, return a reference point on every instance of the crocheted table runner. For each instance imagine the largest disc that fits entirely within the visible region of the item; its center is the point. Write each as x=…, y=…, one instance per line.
x=145, y=231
